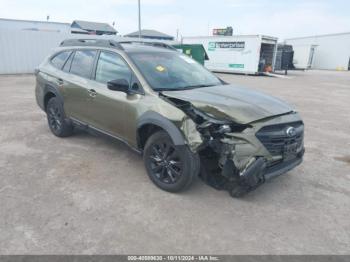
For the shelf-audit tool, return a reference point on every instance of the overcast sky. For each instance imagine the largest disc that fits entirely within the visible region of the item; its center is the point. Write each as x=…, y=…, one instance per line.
x=284, y=19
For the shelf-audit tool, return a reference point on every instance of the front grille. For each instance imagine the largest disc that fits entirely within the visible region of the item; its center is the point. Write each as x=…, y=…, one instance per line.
x=275, y=137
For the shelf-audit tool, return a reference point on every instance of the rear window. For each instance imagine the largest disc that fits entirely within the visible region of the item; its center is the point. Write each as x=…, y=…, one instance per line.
x=67, y=65
x=59, y=60
x=82, y=63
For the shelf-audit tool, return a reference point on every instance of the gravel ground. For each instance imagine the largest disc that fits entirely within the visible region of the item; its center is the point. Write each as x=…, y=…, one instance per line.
x=89, y=195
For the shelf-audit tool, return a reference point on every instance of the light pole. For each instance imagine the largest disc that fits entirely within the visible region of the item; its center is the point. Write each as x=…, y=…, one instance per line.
x=139, y=19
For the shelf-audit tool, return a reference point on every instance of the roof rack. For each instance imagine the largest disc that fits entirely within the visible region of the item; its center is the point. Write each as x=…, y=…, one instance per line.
x=155, y=44
x=92, y=42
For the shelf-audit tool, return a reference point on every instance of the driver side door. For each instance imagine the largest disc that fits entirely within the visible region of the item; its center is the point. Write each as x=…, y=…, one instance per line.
x=110, y=106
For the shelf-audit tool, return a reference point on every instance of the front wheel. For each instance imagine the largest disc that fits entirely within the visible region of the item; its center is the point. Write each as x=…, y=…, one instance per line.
x=170, y=167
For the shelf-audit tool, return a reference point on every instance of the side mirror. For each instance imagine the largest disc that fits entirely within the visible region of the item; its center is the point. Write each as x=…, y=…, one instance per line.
x=121, y=85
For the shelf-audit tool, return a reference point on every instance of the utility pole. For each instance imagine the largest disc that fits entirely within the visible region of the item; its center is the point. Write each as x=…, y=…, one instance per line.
x=139, y=19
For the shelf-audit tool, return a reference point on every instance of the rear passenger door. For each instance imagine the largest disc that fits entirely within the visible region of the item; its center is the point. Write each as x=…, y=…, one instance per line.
x=78, y=90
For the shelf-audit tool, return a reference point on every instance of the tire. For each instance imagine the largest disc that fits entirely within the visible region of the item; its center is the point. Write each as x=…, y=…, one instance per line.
x=59, y=125
x=171, y=168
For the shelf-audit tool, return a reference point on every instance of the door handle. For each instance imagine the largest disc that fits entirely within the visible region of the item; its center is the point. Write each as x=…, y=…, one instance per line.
x=92, y=92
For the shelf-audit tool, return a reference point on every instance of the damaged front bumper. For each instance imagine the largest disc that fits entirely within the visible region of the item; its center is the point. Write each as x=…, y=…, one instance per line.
x=256, y=174
x=241, y=162
x=238, y=183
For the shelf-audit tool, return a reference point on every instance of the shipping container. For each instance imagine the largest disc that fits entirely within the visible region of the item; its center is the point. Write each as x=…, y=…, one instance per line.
x=247, y=54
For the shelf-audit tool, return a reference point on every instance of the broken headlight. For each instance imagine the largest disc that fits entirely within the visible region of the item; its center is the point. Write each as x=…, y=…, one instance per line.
x=224, y=129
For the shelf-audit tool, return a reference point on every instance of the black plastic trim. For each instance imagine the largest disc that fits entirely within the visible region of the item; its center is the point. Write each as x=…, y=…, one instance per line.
x=51, y=89
x=283, y=167
x=157, y=119
x=99, y=131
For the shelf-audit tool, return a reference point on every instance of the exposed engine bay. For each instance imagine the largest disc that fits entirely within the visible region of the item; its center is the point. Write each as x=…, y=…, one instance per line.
x=221, y=168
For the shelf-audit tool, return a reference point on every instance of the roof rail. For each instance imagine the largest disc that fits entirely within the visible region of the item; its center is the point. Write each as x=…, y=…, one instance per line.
x=92, y=42
x=155, y=44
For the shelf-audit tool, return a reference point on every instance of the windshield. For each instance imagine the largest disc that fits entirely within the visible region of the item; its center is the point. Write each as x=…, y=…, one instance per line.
x=173, y=71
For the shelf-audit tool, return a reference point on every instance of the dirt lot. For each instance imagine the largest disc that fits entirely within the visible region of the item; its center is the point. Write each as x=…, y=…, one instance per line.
x=87, y=195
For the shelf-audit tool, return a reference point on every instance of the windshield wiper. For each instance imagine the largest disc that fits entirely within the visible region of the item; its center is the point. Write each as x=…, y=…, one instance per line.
x=196, y=86
x=181, y=88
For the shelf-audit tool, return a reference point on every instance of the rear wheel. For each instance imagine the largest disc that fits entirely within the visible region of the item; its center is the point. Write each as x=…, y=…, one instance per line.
x=170, y=167
x=59, y=125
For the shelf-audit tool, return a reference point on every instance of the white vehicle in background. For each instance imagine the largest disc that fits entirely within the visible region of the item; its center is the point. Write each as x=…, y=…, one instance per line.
x=246, y=54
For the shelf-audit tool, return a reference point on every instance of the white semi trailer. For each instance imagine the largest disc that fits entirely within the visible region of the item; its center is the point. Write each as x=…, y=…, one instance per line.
x=246, y=54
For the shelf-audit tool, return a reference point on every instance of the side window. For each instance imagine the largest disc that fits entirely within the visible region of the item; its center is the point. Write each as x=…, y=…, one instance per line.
x=68, y=63
x=111, y=67
x=59, y=59
x=82, y=63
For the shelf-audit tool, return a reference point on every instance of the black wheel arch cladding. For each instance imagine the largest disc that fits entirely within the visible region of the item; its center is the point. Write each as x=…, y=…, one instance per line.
x=49, y=89
x=154, y=118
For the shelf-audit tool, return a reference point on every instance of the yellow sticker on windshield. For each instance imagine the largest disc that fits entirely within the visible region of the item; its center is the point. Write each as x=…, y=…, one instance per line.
x=160, y=68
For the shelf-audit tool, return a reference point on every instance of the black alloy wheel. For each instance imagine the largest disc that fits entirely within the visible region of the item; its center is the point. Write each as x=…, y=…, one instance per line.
x=170, y=167
x=59, y=125
x=54, y=117
x=165, y=162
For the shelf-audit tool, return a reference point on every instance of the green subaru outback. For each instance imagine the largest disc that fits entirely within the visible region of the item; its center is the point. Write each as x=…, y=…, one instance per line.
x=184, y=120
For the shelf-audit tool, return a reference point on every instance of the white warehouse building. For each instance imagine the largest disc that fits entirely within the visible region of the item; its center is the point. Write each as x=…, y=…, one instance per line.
x=29, y=25
x=330, y=52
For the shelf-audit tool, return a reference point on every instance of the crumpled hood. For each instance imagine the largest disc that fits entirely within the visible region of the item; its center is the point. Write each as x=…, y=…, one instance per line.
x=241, y=105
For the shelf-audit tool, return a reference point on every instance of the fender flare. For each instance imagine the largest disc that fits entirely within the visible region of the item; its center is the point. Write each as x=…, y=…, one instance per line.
x=51, y=89
x=157, y=119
